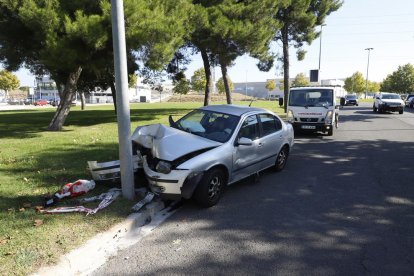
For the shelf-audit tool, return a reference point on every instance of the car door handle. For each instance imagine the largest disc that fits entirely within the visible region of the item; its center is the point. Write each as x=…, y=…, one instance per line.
x=260, y=145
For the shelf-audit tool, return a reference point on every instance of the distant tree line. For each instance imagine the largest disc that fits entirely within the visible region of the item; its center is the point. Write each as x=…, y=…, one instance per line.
x=400, y=81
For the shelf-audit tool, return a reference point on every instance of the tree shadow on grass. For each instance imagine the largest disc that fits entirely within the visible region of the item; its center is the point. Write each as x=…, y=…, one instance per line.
x=29, y=123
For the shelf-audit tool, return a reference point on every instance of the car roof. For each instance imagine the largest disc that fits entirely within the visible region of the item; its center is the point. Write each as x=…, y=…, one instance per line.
x=388, y=93
x=232, y=109
x=312, y=87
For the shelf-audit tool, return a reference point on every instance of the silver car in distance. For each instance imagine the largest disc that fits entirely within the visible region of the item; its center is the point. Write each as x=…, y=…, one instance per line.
x=209, y=148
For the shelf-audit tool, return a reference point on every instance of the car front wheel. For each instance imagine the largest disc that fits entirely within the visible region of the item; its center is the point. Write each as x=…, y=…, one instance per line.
x=374, y=109
x=210, y=188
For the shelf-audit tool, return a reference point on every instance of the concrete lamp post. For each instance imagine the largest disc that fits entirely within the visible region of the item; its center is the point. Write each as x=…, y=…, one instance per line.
x=366, y=81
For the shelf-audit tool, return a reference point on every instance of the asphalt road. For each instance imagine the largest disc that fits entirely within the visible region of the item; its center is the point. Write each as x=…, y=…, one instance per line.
x=344, y=205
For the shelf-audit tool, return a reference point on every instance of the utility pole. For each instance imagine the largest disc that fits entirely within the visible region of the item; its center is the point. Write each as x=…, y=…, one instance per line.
x=320, y=54
x=245, y=85
x=122, y=103
x=366, y=81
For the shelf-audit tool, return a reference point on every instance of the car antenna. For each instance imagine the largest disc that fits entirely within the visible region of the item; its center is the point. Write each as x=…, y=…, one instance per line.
x=251, y=102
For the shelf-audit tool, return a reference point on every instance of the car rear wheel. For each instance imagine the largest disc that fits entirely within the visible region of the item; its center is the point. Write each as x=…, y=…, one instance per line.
x=210, y=188
x=401, y=112
x=281, y=159
x=374, y=108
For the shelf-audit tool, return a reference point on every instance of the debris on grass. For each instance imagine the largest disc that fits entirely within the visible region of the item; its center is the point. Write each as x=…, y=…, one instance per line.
x=37, y=222
x=70, y=189
x=107, y=199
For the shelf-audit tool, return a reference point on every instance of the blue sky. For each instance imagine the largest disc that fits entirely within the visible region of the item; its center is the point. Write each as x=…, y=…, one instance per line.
x=387, y=26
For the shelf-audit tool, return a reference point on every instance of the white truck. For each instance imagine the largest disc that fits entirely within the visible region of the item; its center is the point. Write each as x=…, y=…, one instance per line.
x=314, y=109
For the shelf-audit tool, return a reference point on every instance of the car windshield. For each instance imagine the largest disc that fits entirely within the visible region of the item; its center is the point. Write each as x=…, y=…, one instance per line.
x=351, y=97
x=311, y=97
x=391, y=96
x=215, y=126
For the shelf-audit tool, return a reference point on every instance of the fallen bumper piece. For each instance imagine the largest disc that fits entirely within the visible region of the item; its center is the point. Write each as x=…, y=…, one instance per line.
x=147, y=199
x=109, y=170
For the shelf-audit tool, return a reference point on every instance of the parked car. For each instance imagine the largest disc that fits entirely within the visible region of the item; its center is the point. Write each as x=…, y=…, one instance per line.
x=209, y=148
x=14, y=102
x=27, y=101
x=351, y=99
x=388, y=102
x=408, y=100
x=410, y=103
x=40, y=102
x=54, y=102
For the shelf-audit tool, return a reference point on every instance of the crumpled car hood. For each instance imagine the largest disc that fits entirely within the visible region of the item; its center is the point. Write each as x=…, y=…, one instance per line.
x=168, y=143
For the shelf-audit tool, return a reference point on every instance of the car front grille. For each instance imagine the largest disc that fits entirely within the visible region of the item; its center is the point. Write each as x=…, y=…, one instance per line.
x=309, y=120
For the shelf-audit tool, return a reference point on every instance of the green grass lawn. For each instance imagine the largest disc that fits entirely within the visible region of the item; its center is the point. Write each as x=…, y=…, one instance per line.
x=35, y=162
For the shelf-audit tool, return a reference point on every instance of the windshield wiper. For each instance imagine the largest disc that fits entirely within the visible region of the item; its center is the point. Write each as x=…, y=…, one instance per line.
x=323, y=104
x=308, y=105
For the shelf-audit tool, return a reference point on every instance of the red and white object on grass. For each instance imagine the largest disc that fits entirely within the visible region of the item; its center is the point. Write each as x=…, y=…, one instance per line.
x=76, y=188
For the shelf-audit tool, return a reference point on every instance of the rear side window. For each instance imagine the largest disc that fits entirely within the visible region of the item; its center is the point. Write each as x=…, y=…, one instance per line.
x=270, y=124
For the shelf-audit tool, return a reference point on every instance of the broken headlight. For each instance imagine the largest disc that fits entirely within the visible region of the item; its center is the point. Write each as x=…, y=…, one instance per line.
x=163, y=167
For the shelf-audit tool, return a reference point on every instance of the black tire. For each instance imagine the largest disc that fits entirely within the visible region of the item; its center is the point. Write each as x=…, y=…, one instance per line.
x=281, y=159
x=374, y=108
x=330, y=131
x=401, y=111
x=209, y=190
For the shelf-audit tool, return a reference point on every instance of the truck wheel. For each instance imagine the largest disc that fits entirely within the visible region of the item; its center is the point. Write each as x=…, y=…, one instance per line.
x=330, y=131
x=281, y=159
x=209, y=190
x=374, y=108
x=401, y=112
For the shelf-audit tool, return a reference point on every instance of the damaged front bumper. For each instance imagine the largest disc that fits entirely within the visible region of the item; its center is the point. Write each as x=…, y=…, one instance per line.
x=175, y=185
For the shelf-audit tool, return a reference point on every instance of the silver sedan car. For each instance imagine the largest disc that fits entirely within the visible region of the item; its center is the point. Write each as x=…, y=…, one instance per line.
x=209, y=148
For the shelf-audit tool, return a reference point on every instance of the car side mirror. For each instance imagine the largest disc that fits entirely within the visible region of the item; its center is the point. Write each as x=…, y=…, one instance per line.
x=171, y=121
x=243, y=141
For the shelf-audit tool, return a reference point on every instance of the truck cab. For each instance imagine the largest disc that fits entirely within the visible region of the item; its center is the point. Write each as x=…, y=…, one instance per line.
x=313, y=109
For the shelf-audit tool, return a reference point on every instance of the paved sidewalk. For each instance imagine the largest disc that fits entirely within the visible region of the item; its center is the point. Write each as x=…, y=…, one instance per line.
x=95, y=252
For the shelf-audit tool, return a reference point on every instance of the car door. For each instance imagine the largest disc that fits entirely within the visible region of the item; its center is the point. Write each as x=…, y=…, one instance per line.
x=271, y=139
x=245, y=157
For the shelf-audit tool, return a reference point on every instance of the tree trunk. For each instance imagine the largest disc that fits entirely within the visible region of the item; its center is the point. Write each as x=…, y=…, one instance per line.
x=226, y=83
x=113, y=92
x=285, y=42
x=83, y=100
x=68, y=95
x=209, y=79
x=60, y=89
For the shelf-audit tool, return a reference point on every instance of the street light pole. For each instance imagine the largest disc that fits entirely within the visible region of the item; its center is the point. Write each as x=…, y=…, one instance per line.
x=320, y=52
x=122, y=101
x=245, y=85
x=366, y=82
